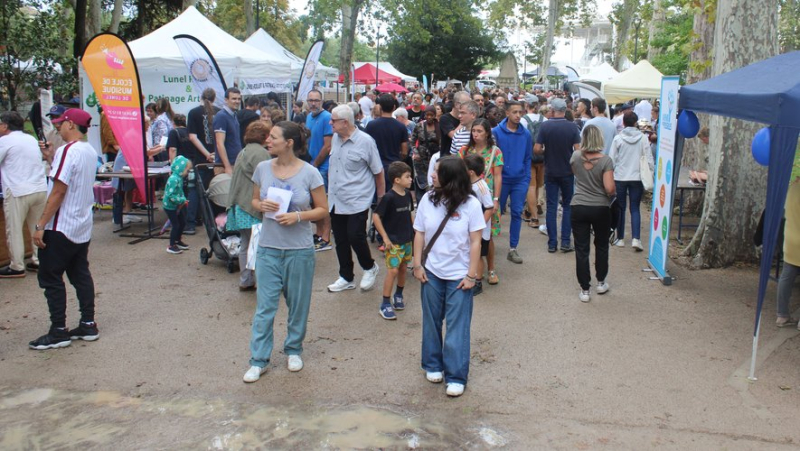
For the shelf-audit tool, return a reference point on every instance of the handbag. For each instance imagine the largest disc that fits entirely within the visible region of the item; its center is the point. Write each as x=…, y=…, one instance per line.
x=433, y=239
x=645, y=171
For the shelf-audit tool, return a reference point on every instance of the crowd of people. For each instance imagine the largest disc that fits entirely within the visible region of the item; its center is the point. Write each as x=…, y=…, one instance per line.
x=429, y=174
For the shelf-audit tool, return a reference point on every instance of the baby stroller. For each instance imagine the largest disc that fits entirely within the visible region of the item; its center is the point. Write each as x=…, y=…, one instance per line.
x=212, y=204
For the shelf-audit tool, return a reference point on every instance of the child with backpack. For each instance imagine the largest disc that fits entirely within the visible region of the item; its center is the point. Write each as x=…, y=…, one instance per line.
x=394, y=222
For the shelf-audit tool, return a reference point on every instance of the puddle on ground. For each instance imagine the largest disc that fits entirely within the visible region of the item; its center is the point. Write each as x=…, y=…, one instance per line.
x=51, y=419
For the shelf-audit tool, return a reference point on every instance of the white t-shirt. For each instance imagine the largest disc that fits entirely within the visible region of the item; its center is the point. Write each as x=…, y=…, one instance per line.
x=366, y=107
x=75, y=165
x=643, y=109
x=432, y=167
x=21, y=165
x=618, y=122
x=449, y=256
x=481, y=190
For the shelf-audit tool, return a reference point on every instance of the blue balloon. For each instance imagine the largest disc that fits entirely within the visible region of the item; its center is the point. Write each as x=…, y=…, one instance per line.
x=688, y=124
x=760, y=146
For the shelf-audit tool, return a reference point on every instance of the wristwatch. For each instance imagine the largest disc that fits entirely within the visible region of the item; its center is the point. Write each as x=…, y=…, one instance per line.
x=495, y=198
x=37, y=228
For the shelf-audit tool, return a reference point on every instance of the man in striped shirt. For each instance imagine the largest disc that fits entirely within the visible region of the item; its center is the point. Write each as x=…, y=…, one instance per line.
x=470, y=110
x=64, y=231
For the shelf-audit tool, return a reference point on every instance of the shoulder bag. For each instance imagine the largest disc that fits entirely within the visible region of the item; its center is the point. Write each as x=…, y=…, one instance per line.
x=645, y=171
x=433, y=239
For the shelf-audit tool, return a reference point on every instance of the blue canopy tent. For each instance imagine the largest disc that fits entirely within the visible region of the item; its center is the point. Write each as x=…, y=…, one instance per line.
x=771, y=91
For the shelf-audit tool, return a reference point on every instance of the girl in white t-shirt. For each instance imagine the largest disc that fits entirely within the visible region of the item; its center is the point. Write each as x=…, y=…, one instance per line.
x=449, y=273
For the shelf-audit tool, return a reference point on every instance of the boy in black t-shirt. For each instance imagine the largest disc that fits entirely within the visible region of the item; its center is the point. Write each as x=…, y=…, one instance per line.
x=393, y=221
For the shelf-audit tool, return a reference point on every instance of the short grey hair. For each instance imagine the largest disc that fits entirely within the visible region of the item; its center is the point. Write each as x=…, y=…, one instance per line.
x=400, y=112
x=355, y=107
x=344, y=112
x=461, y=97
x=473, y=107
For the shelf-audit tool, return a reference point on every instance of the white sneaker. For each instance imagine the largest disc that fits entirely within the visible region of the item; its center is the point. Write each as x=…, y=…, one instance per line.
x=454, y=389
x=619, y=243
x=543, y=229
x=585, y=296
x=295, y=363
x=132, y=218
x=341, y=285
x=370, y=275
x=254, y=373
x=602, y=287
x=126, y=220
x=434, y=376
x=637, y=244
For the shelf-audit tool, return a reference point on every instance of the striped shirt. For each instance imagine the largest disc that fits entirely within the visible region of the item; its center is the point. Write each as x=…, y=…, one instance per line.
x=75, y=165
x=460, y=139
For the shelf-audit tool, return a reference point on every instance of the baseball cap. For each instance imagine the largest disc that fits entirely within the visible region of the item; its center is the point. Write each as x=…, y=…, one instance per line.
x=530, y=99
x=558, y=104
x=626, y=106
x=56, y=110
x=76, y=115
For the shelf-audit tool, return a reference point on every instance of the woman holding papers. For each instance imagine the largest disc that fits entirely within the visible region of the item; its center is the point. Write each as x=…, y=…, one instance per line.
x=290, y=193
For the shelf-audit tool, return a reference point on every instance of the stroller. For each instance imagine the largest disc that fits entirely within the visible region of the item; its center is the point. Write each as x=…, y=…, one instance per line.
x=211, y=206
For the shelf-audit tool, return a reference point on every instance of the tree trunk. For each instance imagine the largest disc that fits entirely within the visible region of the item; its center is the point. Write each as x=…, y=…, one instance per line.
x=250, y=17
x=349, y=22
x=659, y=17
x=736, y=184
x=94, y=18
x=116, y=16
x=629, y=8
x=695, y=152
x=552, y=18
x=80, y=28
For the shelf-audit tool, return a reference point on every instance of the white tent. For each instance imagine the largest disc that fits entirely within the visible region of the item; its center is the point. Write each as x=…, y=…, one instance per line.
x=386, y=67
x=157, y=52
x=642, y=81
x=267, y=44
x=601, y=73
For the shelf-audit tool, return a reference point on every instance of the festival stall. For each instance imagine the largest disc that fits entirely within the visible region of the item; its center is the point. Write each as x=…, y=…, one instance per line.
x=601, y=74
x=642, y=81
x=368, y=74
x=267, y=44
x=771, y=91
x=389, y=69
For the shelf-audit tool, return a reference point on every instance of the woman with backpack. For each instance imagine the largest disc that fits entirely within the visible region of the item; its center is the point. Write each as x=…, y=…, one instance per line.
x=447, y=250
x=594, y=187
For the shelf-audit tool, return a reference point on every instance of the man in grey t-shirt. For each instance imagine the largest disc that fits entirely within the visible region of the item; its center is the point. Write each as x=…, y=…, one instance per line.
x=601, y=121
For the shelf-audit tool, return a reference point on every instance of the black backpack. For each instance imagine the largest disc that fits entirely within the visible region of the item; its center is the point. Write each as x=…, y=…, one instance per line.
x=533, y=128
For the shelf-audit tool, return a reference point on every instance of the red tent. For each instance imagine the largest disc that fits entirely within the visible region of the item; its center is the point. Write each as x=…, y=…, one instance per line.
x=366, y=75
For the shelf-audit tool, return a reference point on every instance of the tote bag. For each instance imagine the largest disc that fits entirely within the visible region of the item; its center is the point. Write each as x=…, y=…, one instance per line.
x=645, y=171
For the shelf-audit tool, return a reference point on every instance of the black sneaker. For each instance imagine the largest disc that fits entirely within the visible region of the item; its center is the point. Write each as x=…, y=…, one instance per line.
x=56, y=338
x=85, y=332
x=567, y=248
x=8, y=273
x=189, y=232
x=552, y=250
x=477, y=289
x=182, y=246
x=174, y=249
x=32, y=267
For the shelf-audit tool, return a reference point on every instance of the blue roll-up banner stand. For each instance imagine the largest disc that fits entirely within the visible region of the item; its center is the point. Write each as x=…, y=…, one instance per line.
x=666, y=174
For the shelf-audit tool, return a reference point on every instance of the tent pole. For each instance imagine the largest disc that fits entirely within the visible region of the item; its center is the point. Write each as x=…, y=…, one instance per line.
x=752, y=377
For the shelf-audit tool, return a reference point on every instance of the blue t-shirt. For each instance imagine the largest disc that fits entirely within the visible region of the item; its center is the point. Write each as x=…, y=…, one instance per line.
x=227, y=123
x=558, y=136
x=320, y=127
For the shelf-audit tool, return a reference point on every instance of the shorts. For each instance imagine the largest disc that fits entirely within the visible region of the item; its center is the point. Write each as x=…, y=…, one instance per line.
x=485, y=247
x=537, y=175
x=398, y=254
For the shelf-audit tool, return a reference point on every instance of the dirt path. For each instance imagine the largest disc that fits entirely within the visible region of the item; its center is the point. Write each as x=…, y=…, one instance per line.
x=645, y=366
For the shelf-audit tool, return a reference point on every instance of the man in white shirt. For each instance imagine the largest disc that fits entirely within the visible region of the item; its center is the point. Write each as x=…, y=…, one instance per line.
x=63, y=233
x=24, y=188
x=367, y=103
x=643, y=109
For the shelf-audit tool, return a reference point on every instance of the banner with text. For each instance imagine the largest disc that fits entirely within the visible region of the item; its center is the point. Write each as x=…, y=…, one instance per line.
x=202, y=66
x=110, y=67
x=306, y=82
x=256, y=87
x=661, y=216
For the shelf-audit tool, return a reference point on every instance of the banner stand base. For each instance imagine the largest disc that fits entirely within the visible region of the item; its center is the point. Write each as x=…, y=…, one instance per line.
x=666, y=279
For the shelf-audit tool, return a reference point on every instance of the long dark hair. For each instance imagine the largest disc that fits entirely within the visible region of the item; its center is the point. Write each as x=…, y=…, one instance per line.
x=454, y=186
x=487, y=127
x=208, y=97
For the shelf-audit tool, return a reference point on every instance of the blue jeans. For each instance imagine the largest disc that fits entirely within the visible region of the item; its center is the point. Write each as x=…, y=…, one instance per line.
x=788, y=273
x=633, y=189
x=517, y=191
x=290, y=272
x=442, y=301
x=565, y=186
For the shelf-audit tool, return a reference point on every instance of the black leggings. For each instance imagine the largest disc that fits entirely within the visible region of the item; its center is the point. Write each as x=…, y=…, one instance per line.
x=178, y=220
x=584, y=220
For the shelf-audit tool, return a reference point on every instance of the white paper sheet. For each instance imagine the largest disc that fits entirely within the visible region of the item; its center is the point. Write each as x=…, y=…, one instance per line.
x=281, y=196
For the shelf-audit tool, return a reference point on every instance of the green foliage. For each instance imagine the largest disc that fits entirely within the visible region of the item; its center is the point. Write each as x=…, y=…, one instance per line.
x=674, y=40
x=275, y=18
x=30, y=43
x=438, y=36
x=330, y=52
x=789, y=26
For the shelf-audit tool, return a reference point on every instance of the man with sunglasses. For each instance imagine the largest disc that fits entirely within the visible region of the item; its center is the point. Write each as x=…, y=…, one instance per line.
x=318, y=122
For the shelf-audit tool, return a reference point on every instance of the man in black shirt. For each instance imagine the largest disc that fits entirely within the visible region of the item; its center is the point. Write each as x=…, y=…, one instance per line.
x=448, y=123
x=247, y=115
x=200, y=131
x=389, y=134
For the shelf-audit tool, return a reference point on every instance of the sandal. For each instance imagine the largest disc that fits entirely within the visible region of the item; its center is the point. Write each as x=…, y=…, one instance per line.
x=533, y=223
